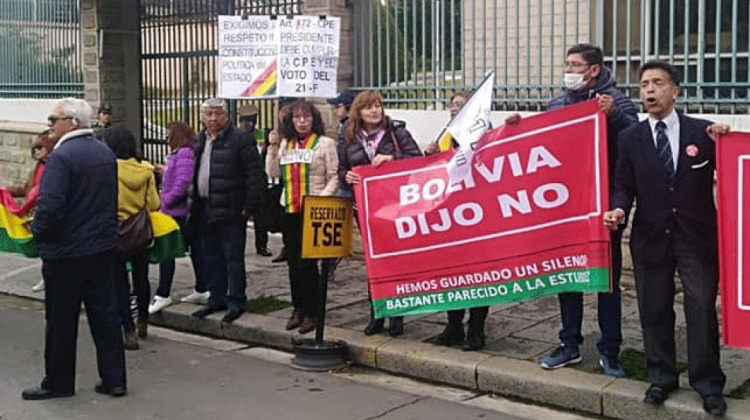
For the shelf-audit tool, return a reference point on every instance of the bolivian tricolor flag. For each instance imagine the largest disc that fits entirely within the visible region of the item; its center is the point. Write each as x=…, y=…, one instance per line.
x=295, y=162
x=169, y=242
x=15, y=237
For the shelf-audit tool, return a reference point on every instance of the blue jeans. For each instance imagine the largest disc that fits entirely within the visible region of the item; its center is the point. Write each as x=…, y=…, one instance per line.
x=609, y=311
x=224, y=250
x=167, y=267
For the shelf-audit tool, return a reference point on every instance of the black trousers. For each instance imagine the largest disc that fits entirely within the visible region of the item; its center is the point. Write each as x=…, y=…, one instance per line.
x=304, y=276
x=655, y=286
x=68, y=282
x=477, y=316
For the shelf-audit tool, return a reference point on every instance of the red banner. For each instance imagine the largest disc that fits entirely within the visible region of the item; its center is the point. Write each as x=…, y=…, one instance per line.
x=733, y=198
x=526, y=222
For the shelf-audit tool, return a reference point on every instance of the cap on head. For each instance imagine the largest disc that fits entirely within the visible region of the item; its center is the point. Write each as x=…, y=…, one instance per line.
x=105, y=109
x=247, y=110
x=345, y=98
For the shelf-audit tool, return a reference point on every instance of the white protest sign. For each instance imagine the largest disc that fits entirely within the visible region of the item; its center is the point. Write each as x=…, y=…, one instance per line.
x=308, y=56
x=248, y=52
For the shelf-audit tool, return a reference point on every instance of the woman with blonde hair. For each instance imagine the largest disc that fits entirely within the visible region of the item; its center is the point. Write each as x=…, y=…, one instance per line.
x=373, y=138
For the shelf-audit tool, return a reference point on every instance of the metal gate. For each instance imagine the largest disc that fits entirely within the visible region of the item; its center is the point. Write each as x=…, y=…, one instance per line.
x=179, y=50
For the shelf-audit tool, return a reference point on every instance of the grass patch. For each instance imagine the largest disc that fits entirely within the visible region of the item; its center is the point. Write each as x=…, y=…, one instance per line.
x=741, y=391
x=264, y=304
x=634, y=363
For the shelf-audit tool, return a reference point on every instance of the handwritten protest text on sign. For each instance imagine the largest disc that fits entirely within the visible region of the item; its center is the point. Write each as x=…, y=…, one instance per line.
x=248, y=49
x=308, y=56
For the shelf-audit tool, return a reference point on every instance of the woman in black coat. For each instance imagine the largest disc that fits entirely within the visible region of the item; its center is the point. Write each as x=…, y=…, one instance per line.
x=372, y=139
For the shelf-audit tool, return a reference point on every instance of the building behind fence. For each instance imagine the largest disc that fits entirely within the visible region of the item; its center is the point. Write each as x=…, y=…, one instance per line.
x=40, y=49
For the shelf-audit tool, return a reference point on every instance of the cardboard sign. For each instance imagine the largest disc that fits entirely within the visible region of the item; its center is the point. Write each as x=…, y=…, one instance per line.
x=326, y=227
x=248, y=52
x=733, y=202
x=527, y=222
x=308, y=56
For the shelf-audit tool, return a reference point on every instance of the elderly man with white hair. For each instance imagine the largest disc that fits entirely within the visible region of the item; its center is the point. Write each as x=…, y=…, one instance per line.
x=75, y=228
x=227, y=178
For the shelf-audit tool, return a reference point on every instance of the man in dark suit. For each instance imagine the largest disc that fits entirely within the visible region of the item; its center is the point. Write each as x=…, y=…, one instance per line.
x=75, y=228
x=667, y=164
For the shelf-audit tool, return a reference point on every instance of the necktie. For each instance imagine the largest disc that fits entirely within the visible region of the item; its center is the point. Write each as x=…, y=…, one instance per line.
x=663, y=149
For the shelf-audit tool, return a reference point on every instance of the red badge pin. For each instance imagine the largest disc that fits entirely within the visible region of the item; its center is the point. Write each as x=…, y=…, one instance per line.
x=691, y=150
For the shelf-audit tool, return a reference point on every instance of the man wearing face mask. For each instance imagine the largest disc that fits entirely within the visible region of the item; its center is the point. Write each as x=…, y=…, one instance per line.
x=587, y=78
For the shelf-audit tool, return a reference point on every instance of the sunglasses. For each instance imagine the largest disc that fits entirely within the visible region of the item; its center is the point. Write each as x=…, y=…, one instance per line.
x=52, y=119
x=35, y=148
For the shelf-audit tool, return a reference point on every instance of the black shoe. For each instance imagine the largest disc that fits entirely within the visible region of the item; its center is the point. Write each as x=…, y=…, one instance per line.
x=115, y=391
x=232, y=314
x=473, y=342
x=263, y=252
x=451, y=335
x=715, y=405
x=396, y=326
x=375, y=326
x=39, y=393
x=281, y=257
x=207, y=310
x=656, y=395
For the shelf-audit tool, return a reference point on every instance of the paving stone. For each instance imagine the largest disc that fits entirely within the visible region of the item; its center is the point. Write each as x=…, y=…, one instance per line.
x=538, y=309
x=518, y=348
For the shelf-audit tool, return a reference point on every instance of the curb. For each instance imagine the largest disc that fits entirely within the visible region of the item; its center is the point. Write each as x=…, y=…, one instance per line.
x=566, y=388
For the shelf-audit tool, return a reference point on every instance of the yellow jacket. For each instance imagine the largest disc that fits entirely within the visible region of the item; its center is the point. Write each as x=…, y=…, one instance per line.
x=132, y=179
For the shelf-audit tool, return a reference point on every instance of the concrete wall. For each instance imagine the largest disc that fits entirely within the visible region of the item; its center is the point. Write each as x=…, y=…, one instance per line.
x=15, y=151
x=531, y=41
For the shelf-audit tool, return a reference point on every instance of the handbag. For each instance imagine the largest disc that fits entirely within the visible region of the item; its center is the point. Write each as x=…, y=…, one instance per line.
x=135, y=234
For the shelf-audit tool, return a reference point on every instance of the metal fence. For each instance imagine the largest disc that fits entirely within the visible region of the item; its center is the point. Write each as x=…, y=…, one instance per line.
x=40, y=49
x=418, y=51
x=179, y=50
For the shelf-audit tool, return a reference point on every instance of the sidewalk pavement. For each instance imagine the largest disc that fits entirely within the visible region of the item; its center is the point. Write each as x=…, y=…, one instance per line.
x=517, y=336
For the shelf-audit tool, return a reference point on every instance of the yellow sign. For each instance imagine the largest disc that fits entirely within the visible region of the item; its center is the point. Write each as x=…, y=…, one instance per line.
x=326, y=227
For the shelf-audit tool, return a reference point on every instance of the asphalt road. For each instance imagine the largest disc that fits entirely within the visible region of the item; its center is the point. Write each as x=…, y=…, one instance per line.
x=178, y=376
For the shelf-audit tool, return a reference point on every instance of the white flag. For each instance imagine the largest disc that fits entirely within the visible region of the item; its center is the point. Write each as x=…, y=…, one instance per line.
x=467, y=127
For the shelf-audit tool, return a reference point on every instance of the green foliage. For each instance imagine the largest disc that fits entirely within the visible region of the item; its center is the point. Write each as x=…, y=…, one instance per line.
x=264, y=304
x=403, y=38
x=25, y=65
x=634, y=362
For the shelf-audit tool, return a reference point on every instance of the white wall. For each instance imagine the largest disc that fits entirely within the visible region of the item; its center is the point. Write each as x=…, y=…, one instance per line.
x=26, y=110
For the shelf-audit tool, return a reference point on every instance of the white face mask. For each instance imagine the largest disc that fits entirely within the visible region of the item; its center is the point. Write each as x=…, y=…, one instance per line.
x=574, y=81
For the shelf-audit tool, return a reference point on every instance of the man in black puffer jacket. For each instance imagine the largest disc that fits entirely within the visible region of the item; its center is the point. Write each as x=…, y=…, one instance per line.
x=227, y=177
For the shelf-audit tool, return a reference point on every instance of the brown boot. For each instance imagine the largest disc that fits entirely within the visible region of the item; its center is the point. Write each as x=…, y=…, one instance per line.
x=308, y=324
x=142, y=325
x=294, y=321
x=131, y=341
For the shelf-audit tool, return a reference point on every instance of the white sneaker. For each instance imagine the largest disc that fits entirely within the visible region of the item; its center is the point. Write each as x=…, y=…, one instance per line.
x=38, y=287
x=196, y=297
x=159, y=304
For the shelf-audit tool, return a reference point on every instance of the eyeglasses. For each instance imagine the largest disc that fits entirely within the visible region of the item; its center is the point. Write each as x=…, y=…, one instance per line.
x=53, y=119
x=35, y=148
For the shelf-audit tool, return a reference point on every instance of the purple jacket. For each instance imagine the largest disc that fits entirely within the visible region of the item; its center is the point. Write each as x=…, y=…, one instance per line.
x=177, y=179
